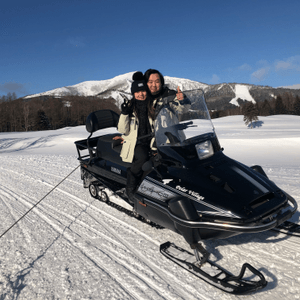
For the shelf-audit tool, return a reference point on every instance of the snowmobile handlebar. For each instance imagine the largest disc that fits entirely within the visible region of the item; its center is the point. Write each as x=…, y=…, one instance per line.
x=183, y=126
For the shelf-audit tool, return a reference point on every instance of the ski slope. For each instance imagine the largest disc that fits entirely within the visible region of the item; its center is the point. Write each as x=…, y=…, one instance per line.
x=72, y=246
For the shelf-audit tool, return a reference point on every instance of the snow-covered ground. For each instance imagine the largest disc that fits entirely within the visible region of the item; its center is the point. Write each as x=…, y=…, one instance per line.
x=72, y=246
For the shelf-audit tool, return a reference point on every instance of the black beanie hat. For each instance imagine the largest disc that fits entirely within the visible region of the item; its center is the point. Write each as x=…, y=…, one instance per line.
x=139, y=83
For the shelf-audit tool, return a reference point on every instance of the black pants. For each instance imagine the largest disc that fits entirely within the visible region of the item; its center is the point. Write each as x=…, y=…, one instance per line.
x=141, y=155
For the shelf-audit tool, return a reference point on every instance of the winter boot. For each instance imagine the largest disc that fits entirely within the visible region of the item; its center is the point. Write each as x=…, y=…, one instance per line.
x=132, y=183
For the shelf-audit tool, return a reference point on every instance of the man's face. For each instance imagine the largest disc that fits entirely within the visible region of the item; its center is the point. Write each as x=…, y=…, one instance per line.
x=154, y=83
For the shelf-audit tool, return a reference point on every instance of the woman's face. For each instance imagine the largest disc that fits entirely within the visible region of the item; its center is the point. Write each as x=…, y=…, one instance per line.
x=141, y=95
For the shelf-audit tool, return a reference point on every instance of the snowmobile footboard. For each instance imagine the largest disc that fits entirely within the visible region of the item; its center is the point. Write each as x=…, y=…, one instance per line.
x=213, y=274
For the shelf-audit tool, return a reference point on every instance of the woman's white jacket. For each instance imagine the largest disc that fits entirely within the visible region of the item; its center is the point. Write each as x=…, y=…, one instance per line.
x=128, y=126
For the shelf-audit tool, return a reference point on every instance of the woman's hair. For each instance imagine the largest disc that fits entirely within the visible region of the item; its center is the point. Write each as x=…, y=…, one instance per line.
x=151, y=110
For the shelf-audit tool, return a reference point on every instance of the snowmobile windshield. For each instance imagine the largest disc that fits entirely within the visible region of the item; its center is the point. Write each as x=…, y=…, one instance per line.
x=184, y=123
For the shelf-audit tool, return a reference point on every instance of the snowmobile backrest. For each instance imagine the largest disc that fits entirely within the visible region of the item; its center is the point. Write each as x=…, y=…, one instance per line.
x=101, y=119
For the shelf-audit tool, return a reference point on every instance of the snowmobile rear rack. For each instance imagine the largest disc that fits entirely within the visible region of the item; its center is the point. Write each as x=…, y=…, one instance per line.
x=97, y=120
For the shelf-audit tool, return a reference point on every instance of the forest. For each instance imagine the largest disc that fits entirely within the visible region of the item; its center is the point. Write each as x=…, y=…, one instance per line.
x=48, y=112
x=285, y=104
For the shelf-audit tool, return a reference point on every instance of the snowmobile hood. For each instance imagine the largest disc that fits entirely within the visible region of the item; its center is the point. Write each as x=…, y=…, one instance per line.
x=223, y=187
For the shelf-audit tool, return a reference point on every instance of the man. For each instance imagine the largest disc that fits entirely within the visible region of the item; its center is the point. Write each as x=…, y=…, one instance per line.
x=156, y=82
x=178, y=105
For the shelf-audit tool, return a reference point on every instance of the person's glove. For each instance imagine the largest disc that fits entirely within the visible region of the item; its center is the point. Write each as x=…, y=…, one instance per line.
x=185, y=101
x=126, y=108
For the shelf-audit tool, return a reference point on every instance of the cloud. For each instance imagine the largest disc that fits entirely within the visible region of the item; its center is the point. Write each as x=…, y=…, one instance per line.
x=261, y=74
x=215, y=79
x=264, y=69
x=245, y=67
x=281, y=67
x=291, y=63
x=295, y=86
x=13, y=87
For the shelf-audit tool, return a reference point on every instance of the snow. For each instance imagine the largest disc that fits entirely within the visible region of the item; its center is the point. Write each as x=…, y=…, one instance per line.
x=241, y=92
x=120, y=82
x=72, y=246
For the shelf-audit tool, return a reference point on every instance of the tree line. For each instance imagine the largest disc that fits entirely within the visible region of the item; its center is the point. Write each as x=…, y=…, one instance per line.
x=282, y=104
x=48, y=112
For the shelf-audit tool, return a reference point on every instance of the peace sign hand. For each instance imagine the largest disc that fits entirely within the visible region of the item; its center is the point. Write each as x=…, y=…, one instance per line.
x=126, y=107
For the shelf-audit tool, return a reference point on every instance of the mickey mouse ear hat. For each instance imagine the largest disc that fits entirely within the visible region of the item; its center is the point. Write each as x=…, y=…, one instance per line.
x=139, y=83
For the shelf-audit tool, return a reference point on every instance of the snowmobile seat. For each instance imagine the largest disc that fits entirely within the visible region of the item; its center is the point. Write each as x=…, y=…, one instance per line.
x=109, y=149
x=101, y=119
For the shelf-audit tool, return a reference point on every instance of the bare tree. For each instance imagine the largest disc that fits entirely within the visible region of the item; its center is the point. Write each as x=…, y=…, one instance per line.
x=26, y=115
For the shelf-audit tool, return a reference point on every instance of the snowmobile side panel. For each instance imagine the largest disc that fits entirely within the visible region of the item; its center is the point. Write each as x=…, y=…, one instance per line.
x=154, y=214
x=264, y=225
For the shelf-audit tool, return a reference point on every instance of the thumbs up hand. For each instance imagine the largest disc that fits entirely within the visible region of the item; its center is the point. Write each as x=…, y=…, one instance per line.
x=179, y=94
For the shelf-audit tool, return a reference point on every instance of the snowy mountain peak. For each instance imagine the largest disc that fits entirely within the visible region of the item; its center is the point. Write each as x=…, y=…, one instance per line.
x=218, y=96
x=118, y=83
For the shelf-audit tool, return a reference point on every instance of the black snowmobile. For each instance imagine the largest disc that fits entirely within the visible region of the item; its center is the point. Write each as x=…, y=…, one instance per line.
x=189, y=187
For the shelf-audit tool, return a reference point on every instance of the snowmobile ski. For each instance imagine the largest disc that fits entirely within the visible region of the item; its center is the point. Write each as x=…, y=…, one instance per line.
x=213, y=274
x=289, y=228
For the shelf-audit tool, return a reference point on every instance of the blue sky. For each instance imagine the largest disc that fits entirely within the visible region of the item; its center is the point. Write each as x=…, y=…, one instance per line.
x=46, y=45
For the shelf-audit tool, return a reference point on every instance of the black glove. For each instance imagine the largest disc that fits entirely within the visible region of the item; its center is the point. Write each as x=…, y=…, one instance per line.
x=126, y=108
x=185, y=101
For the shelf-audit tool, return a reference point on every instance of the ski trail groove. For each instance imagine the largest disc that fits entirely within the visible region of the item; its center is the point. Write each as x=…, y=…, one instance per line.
x=63, y=233
x=51, y=223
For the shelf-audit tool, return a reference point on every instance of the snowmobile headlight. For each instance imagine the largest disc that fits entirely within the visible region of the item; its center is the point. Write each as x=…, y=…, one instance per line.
x=204, y=150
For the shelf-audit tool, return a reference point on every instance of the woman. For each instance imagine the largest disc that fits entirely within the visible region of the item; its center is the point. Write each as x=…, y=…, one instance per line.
x=136, y=123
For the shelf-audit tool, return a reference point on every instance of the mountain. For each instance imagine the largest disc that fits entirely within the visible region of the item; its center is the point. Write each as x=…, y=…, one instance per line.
x=218, y=96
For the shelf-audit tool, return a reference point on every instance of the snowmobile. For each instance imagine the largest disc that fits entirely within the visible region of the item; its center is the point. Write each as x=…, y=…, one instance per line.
x=189, y=186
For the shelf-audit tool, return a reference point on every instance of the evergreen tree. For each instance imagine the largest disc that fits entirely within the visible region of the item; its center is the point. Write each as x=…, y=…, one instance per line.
x=279, y=106
x=42, y=121
x=250, y=112
x=266, y=109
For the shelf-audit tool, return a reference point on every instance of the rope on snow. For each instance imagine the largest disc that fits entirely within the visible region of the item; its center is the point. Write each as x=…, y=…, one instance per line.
x=37, y=203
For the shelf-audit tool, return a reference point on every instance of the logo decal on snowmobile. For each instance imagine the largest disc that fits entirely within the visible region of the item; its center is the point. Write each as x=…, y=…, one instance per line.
x=206, y=208
x=190, y=192
x=115, y=170
x=155, y=191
